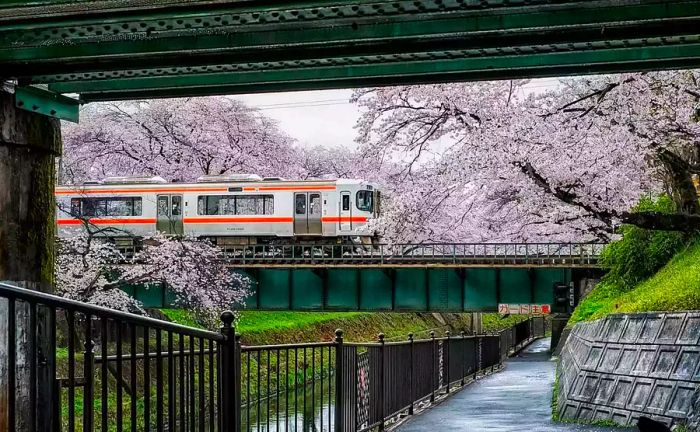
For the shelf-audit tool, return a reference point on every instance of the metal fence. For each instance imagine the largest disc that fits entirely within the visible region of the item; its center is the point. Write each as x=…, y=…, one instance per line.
x=576, y=254
x=68, y=366
x=72, y=366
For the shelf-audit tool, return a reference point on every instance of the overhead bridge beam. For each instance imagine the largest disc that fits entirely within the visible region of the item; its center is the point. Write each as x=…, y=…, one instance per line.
x=107, y=50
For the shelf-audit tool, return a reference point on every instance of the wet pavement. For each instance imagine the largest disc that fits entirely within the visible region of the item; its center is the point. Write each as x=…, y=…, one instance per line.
x=516, y=399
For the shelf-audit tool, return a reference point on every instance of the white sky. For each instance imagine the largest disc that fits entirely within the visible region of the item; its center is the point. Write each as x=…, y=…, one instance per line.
x=325, y=117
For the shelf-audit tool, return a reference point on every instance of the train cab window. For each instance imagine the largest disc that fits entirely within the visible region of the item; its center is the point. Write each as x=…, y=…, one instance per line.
x=346, y=202
x=364, y=200
x=300, y=204
x=113, y=206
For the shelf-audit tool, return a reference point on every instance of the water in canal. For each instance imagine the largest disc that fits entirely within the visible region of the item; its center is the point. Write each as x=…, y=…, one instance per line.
x=311, y=409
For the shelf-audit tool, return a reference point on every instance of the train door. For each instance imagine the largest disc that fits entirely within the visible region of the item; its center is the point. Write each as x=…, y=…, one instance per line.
x=307, y=213
x=169, y=216
x=345, y=211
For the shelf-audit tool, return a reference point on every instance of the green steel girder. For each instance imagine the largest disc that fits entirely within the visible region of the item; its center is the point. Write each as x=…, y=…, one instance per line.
x=47, y=103
x=117, y=49
x=401, y=290
x=435, y=67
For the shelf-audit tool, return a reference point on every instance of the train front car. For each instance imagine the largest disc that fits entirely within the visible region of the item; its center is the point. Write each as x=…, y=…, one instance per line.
x=233, y=209
x=357, y=203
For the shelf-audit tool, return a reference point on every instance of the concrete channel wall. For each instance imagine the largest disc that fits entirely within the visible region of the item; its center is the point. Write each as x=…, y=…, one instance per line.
x=622, y=367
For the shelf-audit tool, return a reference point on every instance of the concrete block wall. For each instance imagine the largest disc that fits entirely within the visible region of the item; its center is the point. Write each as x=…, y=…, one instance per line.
x=625, y=366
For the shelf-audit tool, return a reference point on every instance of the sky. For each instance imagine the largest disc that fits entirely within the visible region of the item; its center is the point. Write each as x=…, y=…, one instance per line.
x=326, y=117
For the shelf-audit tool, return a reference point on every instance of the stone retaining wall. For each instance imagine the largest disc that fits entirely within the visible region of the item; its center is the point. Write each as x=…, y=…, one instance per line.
x=622, y=367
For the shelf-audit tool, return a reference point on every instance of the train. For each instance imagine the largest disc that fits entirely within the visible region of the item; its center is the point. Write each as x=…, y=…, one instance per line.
x=227, y=209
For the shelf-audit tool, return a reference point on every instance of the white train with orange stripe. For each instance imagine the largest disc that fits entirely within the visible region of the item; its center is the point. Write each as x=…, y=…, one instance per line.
x=228, y=209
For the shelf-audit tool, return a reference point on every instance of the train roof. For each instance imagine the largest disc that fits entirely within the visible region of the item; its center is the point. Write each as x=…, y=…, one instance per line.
x=157, y=184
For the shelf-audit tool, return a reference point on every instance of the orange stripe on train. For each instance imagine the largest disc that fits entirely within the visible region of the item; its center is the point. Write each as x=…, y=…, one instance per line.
x=344, y=219
x=123, y=191
x=110, y=221
x=200, y=189
x=214, y=220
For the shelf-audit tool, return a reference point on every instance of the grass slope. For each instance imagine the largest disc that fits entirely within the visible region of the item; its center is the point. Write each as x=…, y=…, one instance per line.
x=675, y=287
x=272, y=327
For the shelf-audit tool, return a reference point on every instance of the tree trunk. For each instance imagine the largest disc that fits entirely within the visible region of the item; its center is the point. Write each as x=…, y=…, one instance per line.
x=680, y=180
x=29, y=144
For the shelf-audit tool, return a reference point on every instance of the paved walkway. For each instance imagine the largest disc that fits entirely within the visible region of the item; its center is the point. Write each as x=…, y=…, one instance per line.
x=516, y=399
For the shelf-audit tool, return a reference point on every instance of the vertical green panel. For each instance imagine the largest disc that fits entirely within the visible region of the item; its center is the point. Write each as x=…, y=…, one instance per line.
x=274, y=288
x=170, y=298
x=150, y=295
x=307, y=289
x=544, y=283
x=480, y=290
x=129, y=289
x=251, y=302
x=445, y=289
x=375, y=289
x=411, y=289
x=342, y=289
x=455, y=292
x=515, y=285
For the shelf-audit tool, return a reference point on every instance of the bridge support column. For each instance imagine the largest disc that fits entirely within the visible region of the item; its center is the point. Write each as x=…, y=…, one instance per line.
x=29, y=143
x=559, y=332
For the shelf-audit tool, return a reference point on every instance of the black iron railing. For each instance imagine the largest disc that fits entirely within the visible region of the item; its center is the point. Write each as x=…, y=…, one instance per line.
x=76, y=367
x=574, y=254
x=383, y=380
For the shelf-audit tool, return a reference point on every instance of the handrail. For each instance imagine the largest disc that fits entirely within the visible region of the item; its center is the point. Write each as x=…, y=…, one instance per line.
x=398, y=253
x=32, y=296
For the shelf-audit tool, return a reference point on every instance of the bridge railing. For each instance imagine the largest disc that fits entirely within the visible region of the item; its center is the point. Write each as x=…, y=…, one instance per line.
x=407, y=253
x=69, y=366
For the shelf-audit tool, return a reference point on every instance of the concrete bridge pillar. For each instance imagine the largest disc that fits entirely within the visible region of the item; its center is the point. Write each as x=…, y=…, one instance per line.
x=29, y=143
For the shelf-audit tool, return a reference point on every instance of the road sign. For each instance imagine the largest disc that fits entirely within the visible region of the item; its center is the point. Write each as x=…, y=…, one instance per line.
x=523, y=309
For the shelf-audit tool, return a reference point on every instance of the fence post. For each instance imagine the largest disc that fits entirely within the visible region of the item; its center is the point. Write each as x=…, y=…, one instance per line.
x=500, y=353
x=339, y=399
x=435, y=367
x=446, y=361
x=477, y=355
x=410, y=375
x=237, y=361
x=464, y=359
x=227, y=368
x=382, y=376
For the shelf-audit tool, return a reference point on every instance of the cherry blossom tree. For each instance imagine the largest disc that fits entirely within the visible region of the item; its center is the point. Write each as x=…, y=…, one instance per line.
x=92, y=269
x=480, y=161
x=177, y=139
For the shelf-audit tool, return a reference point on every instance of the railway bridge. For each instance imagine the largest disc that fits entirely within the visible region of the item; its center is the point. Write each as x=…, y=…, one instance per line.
x=106, y=50
x=439, y=277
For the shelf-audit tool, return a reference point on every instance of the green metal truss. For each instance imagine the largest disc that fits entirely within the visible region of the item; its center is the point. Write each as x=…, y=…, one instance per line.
x=124, y=49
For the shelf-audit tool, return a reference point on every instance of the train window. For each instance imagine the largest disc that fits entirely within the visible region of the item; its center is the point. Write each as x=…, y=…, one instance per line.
x=247, y=205
x=235, y=205
x=315, y=204
x=163, y=206
x=75, y=207
x=98, y=207
x=364, y=200
x=176, y=205
x=300, y=204
x=346, y=202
